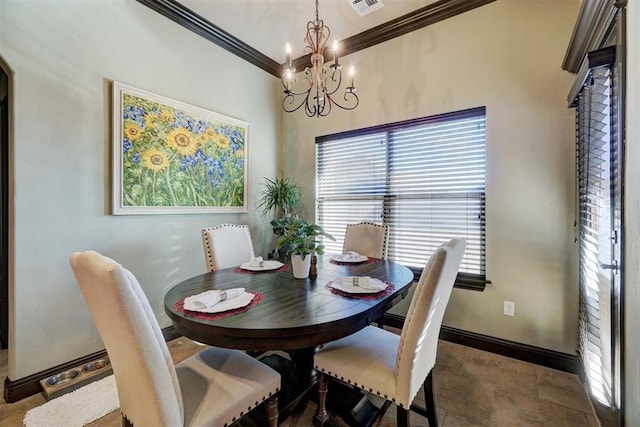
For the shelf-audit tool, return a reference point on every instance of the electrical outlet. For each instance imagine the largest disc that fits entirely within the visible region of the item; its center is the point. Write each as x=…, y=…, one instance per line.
x=509, y=308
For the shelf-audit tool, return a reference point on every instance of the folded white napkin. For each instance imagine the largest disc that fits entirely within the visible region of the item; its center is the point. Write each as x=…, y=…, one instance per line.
x=256, y=262
x=351, y=255
x=362, y=282
x=210, y=298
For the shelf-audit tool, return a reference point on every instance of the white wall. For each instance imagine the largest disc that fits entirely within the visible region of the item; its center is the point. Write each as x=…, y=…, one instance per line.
x=507, y=56
x=632, y=221
x=63, y=56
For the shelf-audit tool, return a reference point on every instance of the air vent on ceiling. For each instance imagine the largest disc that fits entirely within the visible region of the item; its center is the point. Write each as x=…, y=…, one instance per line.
x=363, y=7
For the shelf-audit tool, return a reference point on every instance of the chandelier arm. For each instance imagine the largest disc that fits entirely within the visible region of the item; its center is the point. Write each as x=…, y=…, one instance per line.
x=326, y=107
x=289, y=100
x=332, y=79
x=308, y=78
x=348, y=97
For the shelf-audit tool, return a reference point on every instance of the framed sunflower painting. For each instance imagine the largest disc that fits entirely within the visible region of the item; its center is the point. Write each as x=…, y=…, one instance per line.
x=174, y=158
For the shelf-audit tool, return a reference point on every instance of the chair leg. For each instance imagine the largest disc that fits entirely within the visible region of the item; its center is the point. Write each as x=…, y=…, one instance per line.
x=402, y=417
x=321, y=413
x=429, y=401
x=271, y=411
x=125, y=421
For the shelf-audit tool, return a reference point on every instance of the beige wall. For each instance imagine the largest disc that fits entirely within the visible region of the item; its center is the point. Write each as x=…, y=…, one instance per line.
x=507, y=56
x=632, y=221
x=63, y=56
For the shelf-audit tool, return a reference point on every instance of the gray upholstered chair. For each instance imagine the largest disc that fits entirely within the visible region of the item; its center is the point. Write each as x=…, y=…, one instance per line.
x=226, y=245
x=212, y=388
x=367, y=238
x=396, y=366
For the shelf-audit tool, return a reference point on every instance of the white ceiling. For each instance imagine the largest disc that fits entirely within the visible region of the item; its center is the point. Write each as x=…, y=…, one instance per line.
x=267, y=25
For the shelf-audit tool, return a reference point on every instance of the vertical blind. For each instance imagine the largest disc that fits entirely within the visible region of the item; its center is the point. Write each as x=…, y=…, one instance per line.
x=425, y=178
x=596, y=169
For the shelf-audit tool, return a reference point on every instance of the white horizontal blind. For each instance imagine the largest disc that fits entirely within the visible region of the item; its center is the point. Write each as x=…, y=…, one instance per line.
x=425, y=178
x=595, y=174
x=351, y=183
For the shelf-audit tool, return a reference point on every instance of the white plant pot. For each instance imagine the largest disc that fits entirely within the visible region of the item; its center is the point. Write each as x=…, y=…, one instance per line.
x=301, y=267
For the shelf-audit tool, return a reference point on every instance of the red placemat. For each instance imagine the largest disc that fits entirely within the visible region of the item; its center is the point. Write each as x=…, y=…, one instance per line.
x=243, y=271
x=368, y=261
x=258, y=297
x=390, y=288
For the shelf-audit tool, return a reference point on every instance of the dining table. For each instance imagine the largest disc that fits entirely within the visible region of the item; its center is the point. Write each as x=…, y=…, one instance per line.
x=287, y=315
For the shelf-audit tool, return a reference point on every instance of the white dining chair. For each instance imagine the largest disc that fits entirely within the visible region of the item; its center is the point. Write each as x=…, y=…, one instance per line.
x=396, y=366
x=226, y=245
x=214, y=387
x=367, y=238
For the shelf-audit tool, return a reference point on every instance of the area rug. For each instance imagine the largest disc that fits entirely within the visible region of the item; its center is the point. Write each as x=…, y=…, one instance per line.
x=77, y=408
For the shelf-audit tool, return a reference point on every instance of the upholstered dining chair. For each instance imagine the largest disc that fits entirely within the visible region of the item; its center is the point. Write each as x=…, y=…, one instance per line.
x=367, y=238
x=214, y=387
x=226, y=245
x=395, y=366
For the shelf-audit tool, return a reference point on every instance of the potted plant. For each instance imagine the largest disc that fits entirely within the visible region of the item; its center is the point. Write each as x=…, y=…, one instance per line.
x=282, y=194
x=299, y=240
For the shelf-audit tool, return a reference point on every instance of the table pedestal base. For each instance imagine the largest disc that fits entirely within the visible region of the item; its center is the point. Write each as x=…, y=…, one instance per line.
x=345, y=405
x=349, y=406
x=298, y=381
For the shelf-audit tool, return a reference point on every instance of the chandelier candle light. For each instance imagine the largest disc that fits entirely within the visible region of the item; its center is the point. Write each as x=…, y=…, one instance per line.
x=320, y=82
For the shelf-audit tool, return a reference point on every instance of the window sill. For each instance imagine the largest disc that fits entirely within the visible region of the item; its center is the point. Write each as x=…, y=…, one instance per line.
x=469, y=283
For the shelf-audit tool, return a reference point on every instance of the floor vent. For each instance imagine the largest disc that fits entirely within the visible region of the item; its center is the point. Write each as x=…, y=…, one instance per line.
x=363, y=7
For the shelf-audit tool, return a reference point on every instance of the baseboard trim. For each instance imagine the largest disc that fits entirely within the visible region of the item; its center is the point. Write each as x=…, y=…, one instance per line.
x=528, y=353
x=28, y=386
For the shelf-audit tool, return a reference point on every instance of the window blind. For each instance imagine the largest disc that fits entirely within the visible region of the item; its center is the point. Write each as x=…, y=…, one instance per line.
x=596, y=168
x=425, y=178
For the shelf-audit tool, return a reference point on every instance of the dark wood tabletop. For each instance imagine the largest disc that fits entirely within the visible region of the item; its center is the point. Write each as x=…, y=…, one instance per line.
x=295, y=313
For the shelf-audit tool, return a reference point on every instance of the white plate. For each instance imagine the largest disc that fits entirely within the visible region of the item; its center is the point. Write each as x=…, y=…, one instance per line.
x=347, y=258
x=345, y=284
x=266, y=266
x=241, y=300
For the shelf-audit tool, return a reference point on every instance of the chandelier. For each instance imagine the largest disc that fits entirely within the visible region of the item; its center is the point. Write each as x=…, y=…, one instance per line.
x=320, y=83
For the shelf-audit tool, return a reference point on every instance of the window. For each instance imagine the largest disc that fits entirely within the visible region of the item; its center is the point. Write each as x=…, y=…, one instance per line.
x=598, y=162
x=425, y=178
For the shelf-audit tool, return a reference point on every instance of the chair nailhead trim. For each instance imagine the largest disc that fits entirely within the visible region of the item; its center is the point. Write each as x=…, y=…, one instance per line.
x=379, y=393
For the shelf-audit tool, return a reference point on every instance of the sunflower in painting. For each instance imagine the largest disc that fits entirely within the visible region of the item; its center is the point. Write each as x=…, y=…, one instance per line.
x=222, y=141
x=150, y=121
x=210, y=132
x=155, y=160
x=182, y=141
x=132, y=130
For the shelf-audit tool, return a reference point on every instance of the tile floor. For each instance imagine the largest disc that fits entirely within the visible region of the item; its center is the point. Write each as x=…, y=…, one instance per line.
x=472, y=388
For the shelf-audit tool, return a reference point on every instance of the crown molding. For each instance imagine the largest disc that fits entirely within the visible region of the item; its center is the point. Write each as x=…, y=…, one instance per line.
x=199, y=25
x=412, y=21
